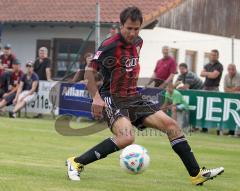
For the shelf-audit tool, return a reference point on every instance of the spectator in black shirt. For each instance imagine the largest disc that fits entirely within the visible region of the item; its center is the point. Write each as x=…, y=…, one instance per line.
x=212, y=72
x=42, y=65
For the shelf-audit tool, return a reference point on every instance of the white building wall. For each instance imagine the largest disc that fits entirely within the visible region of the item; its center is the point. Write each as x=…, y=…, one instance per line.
x=23, y=38
x=154, y=40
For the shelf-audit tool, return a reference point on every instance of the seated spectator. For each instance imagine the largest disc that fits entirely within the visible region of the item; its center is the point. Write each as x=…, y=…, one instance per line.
x=232, y=84
x=27, y=90
x=79, y=75
x=7, y=59
x=8, y=97
x=232, y=80
x=173, y=101
x=189, y=79
x=42, y=65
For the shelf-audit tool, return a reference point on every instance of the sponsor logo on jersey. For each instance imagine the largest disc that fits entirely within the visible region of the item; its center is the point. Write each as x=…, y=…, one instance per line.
x=97, y=54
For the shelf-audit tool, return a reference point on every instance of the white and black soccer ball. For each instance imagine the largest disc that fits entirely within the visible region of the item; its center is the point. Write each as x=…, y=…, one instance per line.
x=134, y=159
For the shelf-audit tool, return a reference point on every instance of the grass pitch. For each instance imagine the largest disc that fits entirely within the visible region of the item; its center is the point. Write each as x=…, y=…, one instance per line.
x=33, y=154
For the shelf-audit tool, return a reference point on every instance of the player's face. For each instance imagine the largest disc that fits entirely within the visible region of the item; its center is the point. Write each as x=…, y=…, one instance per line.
x=130, y=30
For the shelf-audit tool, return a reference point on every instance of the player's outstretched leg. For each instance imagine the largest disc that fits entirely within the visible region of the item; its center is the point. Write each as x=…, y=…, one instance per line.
x=179, y=143
x=124, y=136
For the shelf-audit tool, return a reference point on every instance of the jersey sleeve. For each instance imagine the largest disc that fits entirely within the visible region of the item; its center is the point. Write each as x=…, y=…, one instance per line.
x=35, y=77
x=219, y=68
x=97, y=60
x=48, y=63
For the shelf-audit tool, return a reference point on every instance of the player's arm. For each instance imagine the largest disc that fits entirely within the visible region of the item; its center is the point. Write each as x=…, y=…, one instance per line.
x=98, y=103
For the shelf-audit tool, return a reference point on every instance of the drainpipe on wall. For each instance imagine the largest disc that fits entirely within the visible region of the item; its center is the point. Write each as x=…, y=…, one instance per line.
x=233, y=38
x=97, y=26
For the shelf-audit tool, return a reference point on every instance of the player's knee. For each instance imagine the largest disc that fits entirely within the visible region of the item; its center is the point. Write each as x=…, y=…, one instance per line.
x=129, y=140
x=173, y=129
x=125, y=140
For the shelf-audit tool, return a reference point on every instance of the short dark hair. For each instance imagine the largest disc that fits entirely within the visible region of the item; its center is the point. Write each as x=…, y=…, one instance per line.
x=183, y=65
x=216, y=51
x=133, y=13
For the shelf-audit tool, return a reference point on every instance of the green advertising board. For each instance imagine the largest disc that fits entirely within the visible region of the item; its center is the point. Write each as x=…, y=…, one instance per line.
x=213, y=109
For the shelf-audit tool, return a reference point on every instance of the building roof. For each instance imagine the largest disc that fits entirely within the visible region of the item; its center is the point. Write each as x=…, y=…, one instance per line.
x=79, y=11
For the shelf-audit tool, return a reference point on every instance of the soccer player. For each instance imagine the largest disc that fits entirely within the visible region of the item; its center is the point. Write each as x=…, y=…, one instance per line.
x=118, y=100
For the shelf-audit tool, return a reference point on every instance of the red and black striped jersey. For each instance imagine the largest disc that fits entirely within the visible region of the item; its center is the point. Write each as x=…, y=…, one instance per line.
x=118, y=62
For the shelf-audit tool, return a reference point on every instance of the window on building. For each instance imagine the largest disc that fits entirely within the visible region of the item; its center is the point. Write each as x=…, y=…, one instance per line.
x=206, y=57
x=190, y=60
x=66, y=59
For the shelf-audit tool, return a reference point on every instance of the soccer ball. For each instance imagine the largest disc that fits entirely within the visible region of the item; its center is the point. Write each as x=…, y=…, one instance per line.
x=134, y=159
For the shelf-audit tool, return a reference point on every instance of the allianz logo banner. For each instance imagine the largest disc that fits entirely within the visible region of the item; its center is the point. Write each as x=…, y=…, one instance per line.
x=206, y=109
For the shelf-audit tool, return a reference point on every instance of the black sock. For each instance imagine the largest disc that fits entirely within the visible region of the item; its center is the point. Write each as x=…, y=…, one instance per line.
x=97, y=152
x=182, y=148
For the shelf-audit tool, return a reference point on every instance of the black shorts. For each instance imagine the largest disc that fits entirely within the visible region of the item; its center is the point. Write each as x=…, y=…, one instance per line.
x=136, y=109
x=9, y=99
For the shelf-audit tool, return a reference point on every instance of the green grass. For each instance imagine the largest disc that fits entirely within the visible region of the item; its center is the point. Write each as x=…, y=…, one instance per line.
x=32, y=157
